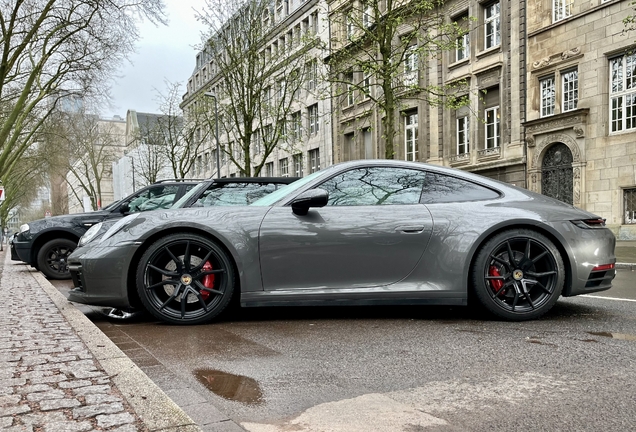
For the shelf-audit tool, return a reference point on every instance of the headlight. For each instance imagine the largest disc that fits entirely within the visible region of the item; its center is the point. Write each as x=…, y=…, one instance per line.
x=118, y=226
x=24, y=228
x=90, y=234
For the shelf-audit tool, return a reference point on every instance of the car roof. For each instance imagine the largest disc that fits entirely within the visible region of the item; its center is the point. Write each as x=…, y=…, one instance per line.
x=282, y=180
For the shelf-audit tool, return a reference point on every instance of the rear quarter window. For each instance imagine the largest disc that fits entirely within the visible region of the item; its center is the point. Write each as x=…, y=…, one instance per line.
x=440, y=188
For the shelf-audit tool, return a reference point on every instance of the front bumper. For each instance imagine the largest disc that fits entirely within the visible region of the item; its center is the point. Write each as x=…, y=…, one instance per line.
x=100, y=275
x=22, y=250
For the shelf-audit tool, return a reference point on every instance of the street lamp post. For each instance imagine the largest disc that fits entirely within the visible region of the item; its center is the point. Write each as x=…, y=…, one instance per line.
x=216, y=133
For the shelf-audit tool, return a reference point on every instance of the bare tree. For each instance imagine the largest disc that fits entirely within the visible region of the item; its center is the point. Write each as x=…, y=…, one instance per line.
x=51, y=49
x=22, y=185
x=379, y=47
x=89, y=147
x=257, y=83
x=182, y=140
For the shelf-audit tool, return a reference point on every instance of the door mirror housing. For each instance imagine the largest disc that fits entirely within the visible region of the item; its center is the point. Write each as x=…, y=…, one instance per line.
x=124, y=208
x=308, y=199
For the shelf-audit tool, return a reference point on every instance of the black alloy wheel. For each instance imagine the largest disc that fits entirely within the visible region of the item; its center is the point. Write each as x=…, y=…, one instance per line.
x=518, y=275
x=52, y=258
x=185, y=279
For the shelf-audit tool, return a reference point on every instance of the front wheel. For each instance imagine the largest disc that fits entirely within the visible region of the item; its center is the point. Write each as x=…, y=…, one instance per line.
x=52, y=258
x=185, y=279
x=518, y=275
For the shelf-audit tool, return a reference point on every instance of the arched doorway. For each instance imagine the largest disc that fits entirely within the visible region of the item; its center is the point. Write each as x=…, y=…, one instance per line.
x=556, y=173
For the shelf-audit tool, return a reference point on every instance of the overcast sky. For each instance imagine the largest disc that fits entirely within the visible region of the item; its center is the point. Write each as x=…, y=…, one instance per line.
x=163, y=53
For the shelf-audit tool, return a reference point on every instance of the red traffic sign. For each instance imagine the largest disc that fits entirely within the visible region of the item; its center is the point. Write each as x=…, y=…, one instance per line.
x=1, y=193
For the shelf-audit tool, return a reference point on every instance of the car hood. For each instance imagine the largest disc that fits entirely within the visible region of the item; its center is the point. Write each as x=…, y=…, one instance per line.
x=65, y=220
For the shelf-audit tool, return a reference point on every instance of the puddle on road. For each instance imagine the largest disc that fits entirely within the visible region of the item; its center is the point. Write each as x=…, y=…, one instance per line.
x=621, y=336
x=236, y=388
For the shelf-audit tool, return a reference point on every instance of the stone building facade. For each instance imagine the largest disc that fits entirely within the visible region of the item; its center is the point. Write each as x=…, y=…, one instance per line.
x=485, y=137
x=581, y=124
x=311, y=150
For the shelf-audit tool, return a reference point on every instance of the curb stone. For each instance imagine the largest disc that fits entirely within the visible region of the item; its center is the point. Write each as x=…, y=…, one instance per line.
x=152, y=406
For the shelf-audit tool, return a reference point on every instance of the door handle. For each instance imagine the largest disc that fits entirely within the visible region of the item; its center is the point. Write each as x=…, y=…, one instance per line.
x=410, y=229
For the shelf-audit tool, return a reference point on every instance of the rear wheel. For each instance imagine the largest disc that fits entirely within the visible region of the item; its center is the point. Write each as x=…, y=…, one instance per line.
x=518, y=275
x=52, y=259
x=185, y=279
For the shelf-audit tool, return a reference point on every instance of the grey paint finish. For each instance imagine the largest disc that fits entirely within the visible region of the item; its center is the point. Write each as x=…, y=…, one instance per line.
x=420, y=253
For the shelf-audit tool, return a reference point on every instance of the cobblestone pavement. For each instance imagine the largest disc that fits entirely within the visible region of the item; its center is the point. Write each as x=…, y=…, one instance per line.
x=49, y=380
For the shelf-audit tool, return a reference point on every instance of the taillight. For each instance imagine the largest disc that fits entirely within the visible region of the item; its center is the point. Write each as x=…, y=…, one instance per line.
x=604, y=267
x=589, y=223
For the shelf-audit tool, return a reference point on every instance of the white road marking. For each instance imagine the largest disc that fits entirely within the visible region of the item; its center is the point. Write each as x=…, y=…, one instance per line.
x=608, y=298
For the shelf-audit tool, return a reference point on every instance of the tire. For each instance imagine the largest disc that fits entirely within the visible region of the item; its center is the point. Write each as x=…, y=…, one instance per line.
x=52, y=258
x=187, y=264
x=518, y=275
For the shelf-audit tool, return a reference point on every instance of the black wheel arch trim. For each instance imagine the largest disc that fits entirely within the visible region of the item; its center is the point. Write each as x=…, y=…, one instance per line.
x=49, y=234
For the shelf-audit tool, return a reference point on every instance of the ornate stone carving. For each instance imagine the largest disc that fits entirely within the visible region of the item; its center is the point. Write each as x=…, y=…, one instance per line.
x=534, y=178
x=554, y=124
x=576, y=196
x=555, y=138
x=460, y=158
x=494, y=151
x=577, y=173
x=530, y=141
x=570, y=53
x=545, y=61
x=579, y=132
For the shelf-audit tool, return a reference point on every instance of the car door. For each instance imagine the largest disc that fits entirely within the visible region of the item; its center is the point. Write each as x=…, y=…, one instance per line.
x=372, y=233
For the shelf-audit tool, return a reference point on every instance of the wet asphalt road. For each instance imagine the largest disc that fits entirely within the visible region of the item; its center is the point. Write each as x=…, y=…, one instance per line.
x=400, y=368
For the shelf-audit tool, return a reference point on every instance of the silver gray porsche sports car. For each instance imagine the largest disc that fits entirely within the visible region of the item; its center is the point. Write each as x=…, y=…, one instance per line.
x=357, y=233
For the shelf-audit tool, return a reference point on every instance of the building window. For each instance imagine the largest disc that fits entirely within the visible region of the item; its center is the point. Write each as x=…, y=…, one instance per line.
x=623, y=93
x=283, y=167
x=410, y=136
x=314, y=160
x=492, y=127
x=349, y=96
x=561, y=9
x=314, y=125
x=629, y=204
x=366, y=86
x=410, y=66
x=492, y=25
x=463, y=135
x=312, y=73
x=463, y=42
x=367, y=15
x=298, y=165
x=296, y=125
x=349, y=26
x=269, y=169
x=547, y=96
x=570, y=90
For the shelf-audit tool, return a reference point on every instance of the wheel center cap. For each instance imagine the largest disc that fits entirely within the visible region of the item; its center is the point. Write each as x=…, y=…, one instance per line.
x=186, y=279
x=517, y=274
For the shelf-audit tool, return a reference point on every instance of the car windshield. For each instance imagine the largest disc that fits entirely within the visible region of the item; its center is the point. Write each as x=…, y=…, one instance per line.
x=194, y=191
x=233, y=194
x=112, y=206
x=276, y=196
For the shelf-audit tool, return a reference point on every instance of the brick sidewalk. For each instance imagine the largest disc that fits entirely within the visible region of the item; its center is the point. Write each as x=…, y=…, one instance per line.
x=49, y=380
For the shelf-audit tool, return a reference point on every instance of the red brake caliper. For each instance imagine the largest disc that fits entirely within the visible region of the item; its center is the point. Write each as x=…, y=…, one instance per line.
x=496, y=284
x=208, y=280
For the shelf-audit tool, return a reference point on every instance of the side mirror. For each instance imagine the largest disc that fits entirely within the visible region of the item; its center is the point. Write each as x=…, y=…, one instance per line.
x=124, y=208
x=311, y=198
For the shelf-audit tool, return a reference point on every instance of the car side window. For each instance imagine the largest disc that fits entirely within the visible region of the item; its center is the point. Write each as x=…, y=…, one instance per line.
x=440, y=188
x=375, y=186
x=160, y=196
x=233, y=194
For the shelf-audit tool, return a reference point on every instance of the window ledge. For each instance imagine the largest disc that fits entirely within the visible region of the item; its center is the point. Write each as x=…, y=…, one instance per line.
x=459, y=63
x=489, y=51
